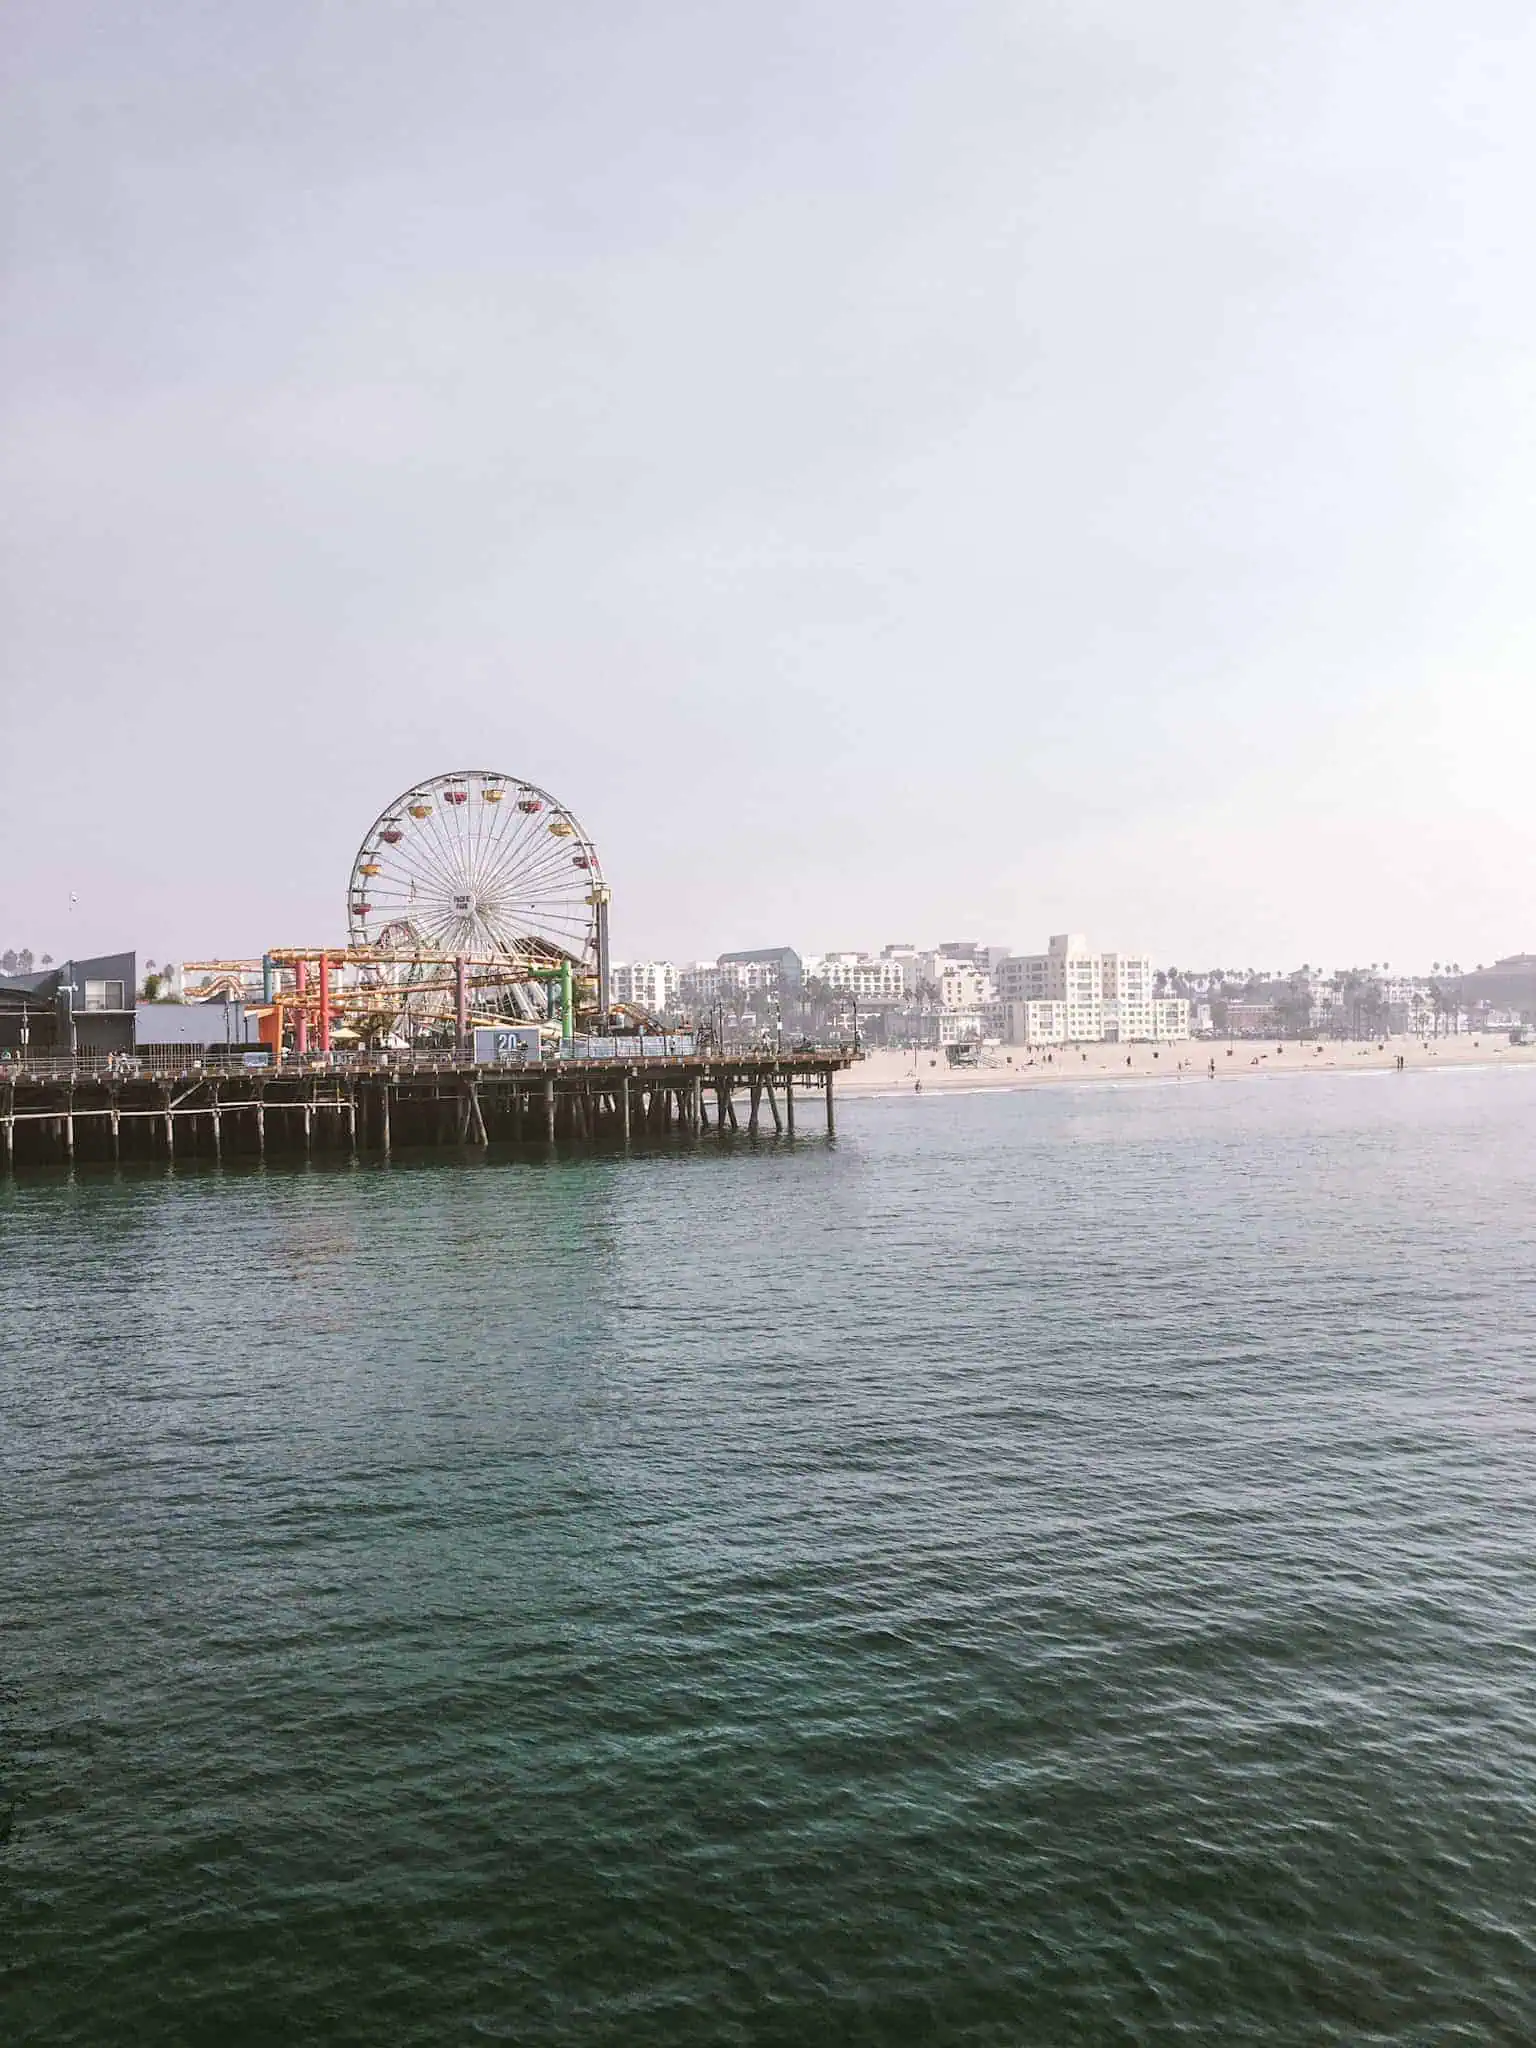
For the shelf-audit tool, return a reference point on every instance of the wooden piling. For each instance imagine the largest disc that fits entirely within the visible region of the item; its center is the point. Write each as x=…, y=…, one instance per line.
x=588, y=1102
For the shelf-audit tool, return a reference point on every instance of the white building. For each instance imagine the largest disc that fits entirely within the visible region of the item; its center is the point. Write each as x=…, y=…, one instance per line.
x=1033, y=1022
x=698, y=985
x=1069, y=973
x=1126, y=986
x=649, y=984
x=960, y=1027
x=964, y=986
x=1070, y=994
x=856, y=974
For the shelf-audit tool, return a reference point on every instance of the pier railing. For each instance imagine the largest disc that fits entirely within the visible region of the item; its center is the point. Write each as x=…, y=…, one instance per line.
x=169, y=1062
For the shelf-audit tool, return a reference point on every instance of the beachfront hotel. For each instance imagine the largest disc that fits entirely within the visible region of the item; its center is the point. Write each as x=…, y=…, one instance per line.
x=1070, y=994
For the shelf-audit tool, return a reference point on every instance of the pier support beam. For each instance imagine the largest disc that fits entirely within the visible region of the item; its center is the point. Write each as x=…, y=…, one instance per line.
x=549, y=1108
x=624, y=1104
x=831, y=1119
x=773, y=1105
x=789, y=1104
x=384, y=1119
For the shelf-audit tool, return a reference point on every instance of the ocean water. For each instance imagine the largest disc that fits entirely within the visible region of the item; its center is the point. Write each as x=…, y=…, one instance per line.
x=1046, y=1568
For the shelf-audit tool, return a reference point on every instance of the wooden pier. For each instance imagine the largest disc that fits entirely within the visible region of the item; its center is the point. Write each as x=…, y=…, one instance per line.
x=57, y=1115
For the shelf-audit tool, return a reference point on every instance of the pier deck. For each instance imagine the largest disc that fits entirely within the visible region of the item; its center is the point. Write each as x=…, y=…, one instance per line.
x=55, y=1114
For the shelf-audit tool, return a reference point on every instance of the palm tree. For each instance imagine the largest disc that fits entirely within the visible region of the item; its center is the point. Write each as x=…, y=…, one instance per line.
x=1353, y=984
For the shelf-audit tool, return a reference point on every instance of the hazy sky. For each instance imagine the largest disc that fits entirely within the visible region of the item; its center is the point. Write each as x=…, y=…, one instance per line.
x=898, y=471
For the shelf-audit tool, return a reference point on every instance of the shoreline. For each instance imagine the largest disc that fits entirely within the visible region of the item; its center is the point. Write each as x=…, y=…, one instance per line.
x=884, y=1073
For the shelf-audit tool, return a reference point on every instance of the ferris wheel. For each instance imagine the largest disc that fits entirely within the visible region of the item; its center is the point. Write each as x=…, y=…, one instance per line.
x=478, y=864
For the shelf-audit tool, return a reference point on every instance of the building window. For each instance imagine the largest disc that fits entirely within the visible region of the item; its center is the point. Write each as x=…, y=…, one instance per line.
x=103, y=995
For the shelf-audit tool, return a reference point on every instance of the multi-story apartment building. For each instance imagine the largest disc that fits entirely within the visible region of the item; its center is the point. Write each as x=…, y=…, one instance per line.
x=1071, y=994
x=650, y=985
x=1126, y=987
x=761, y=970
x=1170, y=1019
x=1069, y=973
x=698, y=985
x=872, y=981
x=962, y=985
x=1033, y=1022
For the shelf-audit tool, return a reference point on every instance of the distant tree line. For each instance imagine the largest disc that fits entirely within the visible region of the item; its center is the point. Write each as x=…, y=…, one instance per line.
x=13, y=961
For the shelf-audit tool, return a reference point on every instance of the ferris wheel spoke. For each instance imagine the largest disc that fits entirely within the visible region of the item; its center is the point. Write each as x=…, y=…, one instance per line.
x=505, y=849
x=426, y=856
x=489, y=824
x=539, y=864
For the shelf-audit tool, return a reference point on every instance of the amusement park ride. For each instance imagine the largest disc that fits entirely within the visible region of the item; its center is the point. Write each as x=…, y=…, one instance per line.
x=475, y=897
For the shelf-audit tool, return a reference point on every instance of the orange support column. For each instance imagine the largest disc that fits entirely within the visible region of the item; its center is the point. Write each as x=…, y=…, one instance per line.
x=301, y=1008
x=325, y=1002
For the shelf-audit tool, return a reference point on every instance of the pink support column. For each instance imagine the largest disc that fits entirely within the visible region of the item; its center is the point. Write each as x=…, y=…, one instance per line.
x=325, y=1002
x=461, y=1000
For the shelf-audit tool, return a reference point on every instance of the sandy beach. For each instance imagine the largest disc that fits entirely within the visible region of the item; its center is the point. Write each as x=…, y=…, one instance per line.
x=882, y=1072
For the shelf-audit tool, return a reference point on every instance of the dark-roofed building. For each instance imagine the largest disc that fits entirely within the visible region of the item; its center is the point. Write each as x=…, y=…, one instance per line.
x=763, y=967
x=77, y=1006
